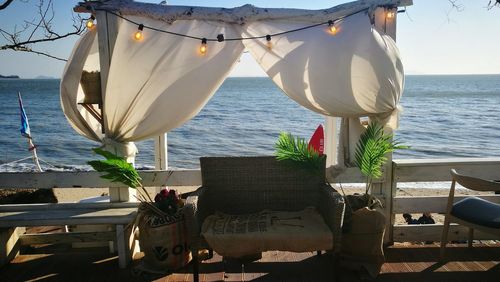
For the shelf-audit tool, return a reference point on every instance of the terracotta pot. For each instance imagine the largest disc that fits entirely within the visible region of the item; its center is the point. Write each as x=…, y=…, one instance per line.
x=91, y=85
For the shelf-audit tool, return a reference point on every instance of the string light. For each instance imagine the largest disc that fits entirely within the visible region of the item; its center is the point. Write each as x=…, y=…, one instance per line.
x=203, y=47
x=90, y=22
x=332, y=28
x=390, y=14
x=138, y=34
x=269, y=43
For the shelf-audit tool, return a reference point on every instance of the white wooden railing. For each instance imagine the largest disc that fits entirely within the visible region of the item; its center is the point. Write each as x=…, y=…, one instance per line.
x=431, y=171
x=397, y=172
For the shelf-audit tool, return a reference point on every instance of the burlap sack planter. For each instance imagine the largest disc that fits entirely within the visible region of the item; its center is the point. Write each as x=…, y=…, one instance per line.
x=362, y=245
x=164, y=241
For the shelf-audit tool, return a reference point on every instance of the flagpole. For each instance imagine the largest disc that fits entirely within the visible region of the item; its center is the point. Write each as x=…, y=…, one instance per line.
x=25, y=131
x=32, y=148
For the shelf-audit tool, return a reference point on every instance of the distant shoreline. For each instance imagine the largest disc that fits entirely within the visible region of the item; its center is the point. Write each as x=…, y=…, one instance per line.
x=9, y=77
x=240, y=77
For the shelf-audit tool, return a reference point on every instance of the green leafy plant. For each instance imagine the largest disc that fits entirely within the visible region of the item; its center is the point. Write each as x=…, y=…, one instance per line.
x=117, y=169
x=296, y=150
x=371, y=150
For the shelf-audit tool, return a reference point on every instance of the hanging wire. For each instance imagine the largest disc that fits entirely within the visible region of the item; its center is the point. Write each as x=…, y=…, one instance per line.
x=16, y=161
x=27, y=158
x=47, y=163
x=235, y=38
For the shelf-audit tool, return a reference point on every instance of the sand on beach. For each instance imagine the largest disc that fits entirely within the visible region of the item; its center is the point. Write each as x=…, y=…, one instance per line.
x=77, y=194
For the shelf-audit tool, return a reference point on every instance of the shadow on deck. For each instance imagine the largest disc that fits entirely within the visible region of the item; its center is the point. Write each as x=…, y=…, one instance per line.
x=404, y=263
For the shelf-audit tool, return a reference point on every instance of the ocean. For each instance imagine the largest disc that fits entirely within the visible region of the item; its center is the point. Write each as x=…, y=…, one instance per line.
x=444, y=116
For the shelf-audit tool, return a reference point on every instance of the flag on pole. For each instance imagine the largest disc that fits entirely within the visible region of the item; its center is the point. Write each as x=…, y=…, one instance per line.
x=26, y=132
x=25, y=126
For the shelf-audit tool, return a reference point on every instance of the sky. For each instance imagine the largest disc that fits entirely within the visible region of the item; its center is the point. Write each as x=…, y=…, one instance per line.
x=432, y=38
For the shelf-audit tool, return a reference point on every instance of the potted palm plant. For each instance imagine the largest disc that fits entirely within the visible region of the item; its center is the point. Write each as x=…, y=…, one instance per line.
x=297, y=151
x=364, y=224
x=162, y=228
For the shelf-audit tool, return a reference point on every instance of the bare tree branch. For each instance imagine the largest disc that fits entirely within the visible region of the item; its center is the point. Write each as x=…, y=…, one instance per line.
x=24, y=49
x=38, y=30
x=5, y=4
x=455, y=5
x=493, y=3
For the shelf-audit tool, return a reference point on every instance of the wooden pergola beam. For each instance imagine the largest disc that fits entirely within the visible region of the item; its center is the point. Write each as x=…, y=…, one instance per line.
x=238, y=15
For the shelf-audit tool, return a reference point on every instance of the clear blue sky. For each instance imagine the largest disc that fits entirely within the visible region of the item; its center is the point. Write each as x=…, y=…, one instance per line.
x=431, y=40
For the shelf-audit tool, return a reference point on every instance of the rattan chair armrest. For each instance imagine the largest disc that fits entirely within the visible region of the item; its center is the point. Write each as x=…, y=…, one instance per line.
x=332, y=207
x=190, y=211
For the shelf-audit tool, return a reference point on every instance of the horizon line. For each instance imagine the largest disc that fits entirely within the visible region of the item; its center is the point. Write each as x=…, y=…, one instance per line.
x=259, y=76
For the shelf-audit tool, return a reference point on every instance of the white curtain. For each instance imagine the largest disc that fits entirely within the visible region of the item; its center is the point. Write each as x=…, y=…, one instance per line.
x=356, y=72
x=163, y=81
x=153, y=85
x=84, y=57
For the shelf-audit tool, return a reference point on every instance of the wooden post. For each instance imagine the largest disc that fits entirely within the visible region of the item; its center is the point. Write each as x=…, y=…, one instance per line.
x=386, y=191
x=107, y=29
x=161, y=154
x=9, y=243
x=331, y=140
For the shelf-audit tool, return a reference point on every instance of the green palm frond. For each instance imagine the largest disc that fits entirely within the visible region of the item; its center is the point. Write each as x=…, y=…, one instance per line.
x=116, y=169
x=297, y=150
x=371, y=151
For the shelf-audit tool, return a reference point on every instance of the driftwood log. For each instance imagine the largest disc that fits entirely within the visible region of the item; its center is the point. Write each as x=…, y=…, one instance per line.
x=238, y=15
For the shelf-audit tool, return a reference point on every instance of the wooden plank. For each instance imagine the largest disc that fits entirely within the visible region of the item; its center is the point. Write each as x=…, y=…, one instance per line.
x=161, y=154
x=67, y=217
x=436, y=204
x=331, y=140
x=123, y=237
x=238, y=15
x=66, y=206
x=432, y=232
x=349, y=175
x=91, y=179
x=413, y=170
x=70, y=237
x=9, y=243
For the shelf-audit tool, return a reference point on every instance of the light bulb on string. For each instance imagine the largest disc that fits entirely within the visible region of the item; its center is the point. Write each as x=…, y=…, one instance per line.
x=90, y=22
x=332, y=28
x=390, y=14
x=138, y=36
x=268, y=42
x=203, y=46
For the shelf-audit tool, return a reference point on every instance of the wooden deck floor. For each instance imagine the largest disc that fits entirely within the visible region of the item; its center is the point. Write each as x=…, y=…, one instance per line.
x=404, y=263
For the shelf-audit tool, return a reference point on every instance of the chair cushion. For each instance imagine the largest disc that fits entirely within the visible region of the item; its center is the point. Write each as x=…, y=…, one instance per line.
x=477, y=211
x=241, y=235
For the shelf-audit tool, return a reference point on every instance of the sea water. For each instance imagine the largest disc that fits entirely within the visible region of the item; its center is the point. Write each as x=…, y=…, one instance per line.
x=443, y=117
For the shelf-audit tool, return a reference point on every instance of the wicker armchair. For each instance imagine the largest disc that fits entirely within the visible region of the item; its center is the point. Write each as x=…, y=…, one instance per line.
x=244, y=185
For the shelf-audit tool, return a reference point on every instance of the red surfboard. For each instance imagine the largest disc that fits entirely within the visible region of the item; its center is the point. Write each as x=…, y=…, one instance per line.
x=317, y=141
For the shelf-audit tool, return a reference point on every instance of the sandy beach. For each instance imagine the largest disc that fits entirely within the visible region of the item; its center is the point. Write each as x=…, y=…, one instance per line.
x=77, y=194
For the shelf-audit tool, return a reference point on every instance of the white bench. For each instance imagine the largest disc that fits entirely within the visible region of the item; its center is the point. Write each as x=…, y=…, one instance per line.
x=120, y=215
x=14, y=218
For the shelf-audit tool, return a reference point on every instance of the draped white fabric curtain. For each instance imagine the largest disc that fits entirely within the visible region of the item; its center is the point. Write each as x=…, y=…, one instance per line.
x=153, y=86
x=84, y=57
x=163, y=81
x=356, y=72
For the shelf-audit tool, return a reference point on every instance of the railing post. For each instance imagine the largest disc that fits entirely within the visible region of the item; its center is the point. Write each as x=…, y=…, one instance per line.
x=107, y=30
x=331, y=140
x=387, y=189
x=161, y=154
